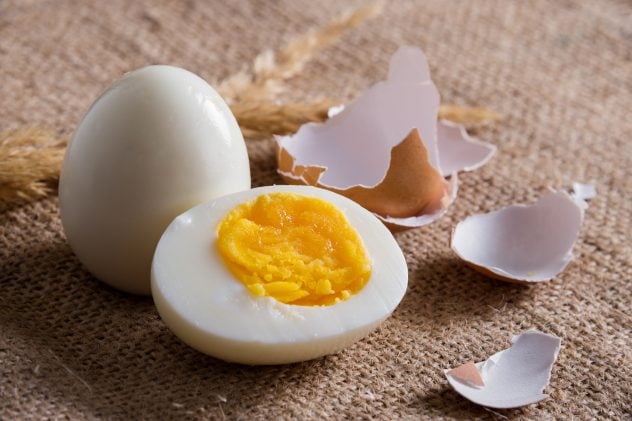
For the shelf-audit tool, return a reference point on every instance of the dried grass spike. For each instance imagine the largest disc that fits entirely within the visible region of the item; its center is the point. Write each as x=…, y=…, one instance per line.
x=30, y=161
x=467, y=115
x=269, y=72
x=263, y=119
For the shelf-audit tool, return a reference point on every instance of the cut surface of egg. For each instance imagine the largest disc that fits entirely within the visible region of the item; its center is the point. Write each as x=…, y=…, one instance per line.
x=300, y=250
x=276, y=274
x=159, y=141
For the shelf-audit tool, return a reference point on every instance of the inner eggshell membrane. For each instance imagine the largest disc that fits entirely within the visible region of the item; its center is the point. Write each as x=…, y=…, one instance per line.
x=299, y=250
x=521, y=243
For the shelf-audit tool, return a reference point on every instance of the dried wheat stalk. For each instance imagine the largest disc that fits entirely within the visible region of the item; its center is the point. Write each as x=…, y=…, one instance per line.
x=467, y=116
x=261, y=120
x=30, y=160
x=270, y=70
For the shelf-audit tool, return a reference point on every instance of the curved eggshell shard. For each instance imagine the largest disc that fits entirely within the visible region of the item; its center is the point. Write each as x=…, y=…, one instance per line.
x=411, y=190
x=459, y=151
x=336, y=109
x=381, y=150
x=354, y=145
x=514, y=377
x=521, y=243
x=409, y=65
x=582, y=193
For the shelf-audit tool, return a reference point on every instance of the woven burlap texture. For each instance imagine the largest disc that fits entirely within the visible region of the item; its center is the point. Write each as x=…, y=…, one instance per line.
x=560, y=74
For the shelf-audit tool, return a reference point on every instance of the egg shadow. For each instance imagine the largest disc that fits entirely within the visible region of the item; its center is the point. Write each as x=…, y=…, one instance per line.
x=443, y=290
x=446, y=403
x=108, y=354
x=263, y=165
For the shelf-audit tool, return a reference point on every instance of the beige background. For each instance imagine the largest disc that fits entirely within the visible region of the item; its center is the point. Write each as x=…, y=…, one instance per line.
x=559, y=72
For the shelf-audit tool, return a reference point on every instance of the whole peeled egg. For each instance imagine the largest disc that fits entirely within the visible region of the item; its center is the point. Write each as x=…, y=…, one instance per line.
x=159, y=141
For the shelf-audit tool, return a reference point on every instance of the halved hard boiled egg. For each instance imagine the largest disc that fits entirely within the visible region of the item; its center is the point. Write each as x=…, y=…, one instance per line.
x=276, y=274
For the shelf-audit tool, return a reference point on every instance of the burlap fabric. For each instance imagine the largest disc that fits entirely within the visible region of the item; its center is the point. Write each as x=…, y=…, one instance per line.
x=559, y=72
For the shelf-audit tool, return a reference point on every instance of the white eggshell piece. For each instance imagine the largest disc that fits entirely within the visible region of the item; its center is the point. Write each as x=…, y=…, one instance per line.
x=516, y=376
x=458, y=151
x=582, y=193
x=354, y=145
x=157, y=142
x=336, y=109
x=205, y=306
x=524, y=243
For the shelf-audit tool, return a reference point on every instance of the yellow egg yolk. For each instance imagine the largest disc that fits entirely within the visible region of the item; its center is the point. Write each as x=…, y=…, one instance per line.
x=299, y=250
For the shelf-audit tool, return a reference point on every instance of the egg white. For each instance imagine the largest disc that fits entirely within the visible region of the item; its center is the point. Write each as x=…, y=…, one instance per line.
x=206, y=307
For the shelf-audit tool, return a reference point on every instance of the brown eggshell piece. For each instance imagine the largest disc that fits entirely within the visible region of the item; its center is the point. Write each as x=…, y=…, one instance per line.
x=411, y=186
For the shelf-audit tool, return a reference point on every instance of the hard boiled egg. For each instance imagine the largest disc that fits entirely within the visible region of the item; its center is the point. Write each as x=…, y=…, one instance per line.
x=159, y=141
x=276, y=274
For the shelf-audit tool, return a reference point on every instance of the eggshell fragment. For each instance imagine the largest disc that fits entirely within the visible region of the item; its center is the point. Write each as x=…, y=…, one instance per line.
x=336, y=109
x=521, y=243
x=583, y=193
x=514, y=377
x=367, y=149
x=459, y=151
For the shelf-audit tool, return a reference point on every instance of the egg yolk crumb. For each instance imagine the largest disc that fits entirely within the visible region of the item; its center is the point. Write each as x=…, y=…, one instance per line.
x=299, y=250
